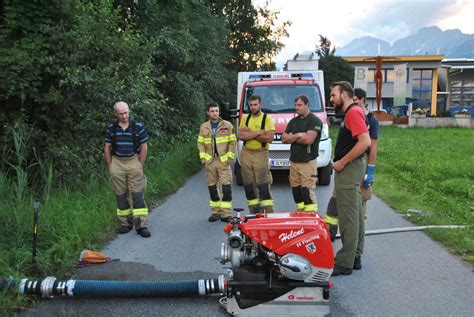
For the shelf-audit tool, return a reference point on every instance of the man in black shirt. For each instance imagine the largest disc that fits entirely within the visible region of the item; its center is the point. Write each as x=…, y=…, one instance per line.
x=303, y=133
x=349, y=165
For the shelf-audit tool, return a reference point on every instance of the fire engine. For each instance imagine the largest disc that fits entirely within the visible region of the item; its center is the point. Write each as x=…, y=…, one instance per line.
x=278, y=90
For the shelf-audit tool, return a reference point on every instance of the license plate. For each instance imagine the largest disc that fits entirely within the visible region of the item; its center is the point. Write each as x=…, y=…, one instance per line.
x=279, y=163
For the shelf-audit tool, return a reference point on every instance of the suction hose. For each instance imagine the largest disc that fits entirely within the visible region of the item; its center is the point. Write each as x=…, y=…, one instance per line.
x=50, y=287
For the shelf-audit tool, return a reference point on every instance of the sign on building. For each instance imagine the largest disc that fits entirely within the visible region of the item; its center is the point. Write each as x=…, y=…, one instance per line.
x=361, y=76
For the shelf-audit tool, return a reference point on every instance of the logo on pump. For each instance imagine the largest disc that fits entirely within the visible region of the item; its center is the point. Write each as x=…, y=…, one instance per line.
x=311, y=247
x=291, y=235
x=301, y=298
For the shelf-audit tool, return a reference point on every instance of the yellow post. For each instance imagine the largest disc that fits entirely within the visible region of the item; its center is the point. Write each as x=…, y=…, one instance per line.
x=434, y=92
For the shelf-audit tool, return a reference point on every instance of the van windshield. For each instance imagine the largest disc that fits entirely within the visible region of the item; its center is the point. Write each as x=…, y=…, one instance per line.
x=280, y=99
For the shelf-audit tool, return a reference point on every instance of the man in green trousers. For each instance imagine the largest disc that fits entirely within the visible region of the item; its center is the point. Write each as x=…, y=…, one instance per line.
x=349, y=164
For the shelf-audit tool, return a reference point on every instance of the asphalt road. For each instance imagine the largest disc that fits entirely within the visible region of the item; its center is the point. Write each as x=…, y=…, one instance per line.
x=403, y=274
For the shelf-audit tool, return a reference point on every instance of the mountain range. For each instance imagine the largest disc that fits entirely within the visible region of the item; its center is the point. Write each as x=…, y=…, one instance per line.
x=427, y=41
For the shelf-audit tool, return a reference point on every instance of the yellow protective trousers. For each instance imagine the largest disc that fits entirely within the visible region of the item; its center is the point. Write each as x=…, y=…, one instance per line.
x=128, y=183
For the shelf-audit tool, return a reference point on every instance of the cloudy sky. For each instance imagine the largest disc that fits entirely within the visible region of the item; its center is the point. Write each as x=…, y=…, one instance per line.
x=344, y=20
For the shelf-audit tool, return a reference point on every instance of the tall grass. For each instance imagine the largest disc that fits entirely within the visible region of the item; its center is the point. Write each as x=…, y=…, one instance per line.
x=432, y=171
x=71, y=218
x=168, y=170
x=429, y=174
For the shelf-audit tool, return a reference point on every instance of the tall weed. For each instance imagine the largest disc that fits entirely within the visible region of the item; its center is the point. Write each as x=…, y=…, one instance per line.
x=73, y=218
x=432, y=171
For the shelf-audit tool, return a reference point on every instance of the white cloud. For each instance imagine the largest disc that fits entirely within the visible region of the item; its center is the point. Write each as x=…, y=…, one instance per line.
x=459, y=16
x=344, y=20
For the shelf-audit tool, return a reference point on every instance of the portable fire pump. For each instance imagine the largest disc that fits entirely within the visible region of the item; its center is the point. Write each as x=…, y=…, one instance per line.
x=280, y=265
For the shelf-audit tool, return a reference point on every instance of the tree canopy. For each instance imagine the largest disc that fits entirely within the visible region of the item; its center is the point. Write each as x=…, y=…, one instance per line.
x=255, y=35
x=335, y=68
x=65, y=63
x=325, y=47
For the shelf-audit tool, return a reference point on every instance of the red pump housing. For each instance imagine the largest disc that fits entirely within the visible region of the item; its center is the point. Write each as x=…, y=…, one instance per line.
x=299, y=233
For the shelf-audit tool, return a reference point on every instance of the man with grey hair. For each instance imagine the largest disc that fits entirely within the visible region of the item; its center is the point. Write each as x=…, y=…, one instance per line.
x=125, y=153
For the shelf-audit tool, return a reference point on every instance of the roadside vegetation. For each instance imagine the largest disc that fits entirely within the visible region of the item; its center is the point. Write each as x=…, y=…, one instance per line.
x=428, y=175
x=74, y=217
x=64, y=64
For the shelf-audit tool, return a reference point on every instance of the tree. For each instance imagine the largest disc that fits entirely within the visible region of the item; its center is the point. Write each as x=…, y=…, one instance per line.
x=65, y=63
x=255, y=37
x=335, y=68
x=324, y=48
x=189, y=44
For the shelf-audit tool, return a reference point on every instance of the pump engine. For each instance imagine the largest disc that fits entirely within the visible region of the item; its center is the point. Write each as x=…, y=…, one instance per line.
x=279, y=261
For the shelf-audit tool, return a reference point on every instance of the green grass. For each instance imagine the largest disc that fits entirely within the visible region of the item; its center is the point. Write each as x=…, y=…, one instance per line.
x=432, y=171
x=73, y=219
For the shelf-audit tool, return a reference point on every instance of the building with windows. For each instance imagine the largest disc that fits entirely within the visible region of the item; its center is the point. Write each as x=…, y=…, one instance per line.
x=422, y=89
x=458, y=74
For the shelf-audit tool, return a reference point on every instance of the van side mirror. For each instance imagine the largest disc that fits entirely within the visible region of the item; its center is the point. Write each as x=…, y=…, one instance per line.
x=225, y=107
x=225, y=111
x=233, y=111
x=230, y=110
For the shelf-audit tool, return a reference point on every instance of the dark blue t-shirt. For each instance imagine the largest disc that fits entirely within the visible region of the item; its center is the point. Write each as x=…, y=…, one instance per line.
x=214, y=126
x=373, y=126
x=124, y=139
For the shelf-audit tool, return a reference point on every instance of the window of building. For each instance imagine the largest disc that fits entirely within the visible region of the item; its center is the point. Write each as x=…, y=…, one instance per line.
x=462, y=93
x=421, y=87
x=389, y=75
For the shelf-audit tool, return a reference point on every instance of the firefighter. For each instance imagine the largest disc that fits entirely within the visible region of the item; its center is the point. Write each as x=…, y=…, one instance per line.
x=371, y=157
x=303, y=132
x=349, y=164
x=125, y=153
x=373, y=125
x=256, y=130
x=216, y=144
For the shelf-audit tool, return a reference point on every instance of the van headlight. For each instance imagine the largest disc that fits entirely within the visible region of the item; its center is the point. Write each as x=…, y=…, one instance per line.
x=325, y=132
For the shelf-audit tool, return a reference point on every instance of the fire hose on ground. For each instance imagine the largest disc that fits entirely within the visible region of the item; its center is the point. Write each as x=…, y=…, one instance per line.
x=407, y=229
x=50, y=286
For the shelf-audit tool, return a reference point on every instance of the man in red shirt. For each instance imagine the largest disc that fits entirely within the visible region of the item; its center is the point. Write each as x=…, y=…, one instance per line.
x=349, y=163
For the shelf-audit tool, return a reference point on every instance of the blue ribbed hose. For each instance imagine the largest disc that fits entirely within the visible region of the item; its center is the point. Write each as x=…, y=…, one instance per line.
x=50, y=286
x=93, y=288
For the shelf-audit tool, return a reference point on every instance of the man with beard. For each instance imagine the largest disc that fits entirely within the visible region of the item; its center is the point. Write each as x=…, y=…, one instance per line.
x=349, y=164
x=371, y=157
x=256, y=130
x=303, y=133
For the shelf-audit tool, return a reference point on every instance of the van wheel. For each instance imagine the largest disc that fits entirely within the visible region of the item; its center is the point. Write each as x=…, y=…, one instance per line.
x=324, y=175
x=238, y=174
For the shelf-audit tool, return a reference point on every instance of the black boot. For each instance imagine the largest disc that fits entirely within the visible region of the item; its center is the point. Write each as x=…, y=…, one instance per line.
x=144, y=232
x=340, y=270
x=357, y=263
